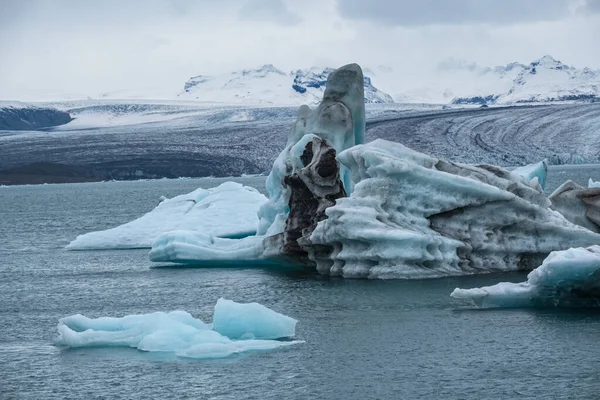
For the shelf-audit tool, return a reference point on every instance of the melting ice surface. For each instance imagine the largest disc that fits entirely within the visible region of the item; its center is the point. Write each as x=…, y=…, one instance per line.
x=565, y=278
x=236, y=328
x=229, y=210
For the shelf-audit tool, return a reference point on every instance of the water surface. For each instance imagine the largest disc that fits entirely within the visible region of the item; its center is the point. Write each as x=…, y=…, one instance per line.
x=364, y=339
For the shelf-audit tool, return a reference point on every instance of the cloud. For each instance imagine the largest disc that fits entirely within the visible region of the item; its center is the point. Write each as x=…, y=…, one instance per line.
x=455, y=12
x=592, y=6
x=268, y=10
x=55, y=47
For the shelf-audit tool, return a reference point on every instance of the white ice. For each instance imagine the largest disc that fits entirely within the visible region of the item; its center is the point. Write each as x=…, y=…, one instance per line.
x=592, y=184
x=237, y=328
x=229, y=210
x=537, y=171
x=565, y=278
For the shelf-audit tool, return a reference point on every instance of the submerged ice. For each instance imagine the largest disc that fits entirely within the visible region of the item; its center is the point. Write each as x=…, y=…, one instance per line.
x=236, y=328
x=565, y=278
x=229, y=210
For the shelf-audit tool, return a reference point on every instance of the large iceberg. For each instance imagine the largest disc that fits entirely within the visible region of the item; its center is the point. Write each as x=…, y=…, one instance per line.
x=229, y=210
x=382, y=210
x=415, y=216
x=236, y=328
x=565, y=278
x=338, y=123
x=339, y=119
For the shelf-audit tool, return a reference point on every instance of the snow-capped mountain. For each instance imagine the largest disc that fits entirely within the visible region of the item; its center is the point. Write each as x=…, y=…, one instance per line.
x=451, y=81
x=313, y=81
x=269, y=85
x=547, y=79
x=459, y=82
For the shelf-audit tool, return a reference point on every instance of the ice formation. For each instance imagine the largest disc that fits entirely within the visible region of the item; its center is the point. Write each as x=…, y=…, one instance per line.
x=565, y=278
x=592, y=184
x=236, y=328
x=537, y=171
x=382, y=210
x=229, y=210
x=339, y=119
x=338, y=122
x=579, y=205
x=415, y=216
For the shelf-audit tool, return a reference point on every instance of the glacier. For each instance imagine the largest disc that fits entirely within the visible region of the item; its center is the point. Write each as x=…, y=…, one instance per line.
x=229, y=210
x=236, y=328
x=566, y=278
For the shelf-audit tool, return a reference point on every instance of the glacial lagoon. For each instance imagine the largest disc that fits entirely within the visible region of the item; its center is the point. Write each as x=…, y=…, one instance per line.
x=409, y=338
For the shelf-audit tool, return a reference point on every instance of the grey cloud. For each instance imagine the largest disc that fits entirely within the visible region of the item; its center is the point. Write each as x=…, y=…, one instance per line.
x=451, y=12
x=592, y=6
x=268, y=10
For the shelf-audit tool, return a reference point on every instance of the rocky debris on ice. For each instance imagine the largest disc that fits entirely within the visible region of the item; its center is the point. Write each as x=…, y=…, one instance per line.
x=236, y=328
x=565, y=278
x=313, y=188
x=339, y=120
x=229, y=210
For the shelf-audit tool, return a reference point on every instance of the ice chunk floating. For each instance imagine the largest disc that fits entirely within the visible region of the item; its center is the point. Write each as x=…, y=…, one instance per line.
x=566, y=278
x=236, y=328
x=229, y=210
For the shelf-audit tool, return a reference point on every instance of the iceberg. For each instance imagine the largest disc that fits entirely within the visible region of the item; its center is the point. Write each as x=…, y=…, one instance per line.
x=565, y=278
x=382, y=210
x=338, y=123
x=592, y=184
x=415, y=216
x=229, y=210
x=537, y=171
x=236, y=328
x=339, y=119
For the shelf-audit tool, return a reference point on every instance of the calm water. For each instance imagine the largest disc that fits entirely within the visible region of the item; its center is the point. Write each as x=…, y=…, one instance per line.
x=364, y=339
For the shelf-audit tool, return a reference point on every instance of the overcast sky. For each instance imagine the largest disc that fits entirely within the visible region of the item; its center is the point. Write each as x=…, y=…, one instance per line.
x=92, y=46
